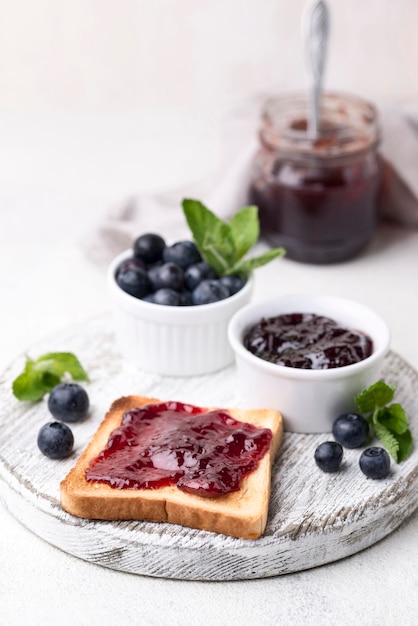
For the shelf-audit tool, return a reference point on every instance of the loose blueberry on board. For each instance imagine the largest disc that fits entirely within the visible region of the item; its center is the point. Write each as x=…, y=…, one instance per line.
x=375, y=463
x=328, y=456
x=68, y=402
x=209, y=291
x=351, y=430
x=149, y=247
x=182, y=253
x=232, y=282
x=55, y=440
x=134, y=281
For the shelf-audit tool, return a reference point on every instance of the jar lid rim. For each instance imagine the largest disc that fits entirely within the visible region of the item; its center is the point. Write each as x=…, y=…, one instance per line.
x=348, y=125
x=327, y=97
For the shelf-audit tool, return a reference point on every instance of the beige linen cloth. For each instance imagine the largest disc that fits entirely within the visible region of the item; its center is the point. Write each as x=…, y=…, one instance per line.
x=224, y=190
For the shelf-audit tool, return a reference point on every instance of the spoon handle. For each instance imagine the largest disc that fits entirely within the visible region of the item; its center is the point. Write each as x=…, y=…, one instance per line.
x=315, y=26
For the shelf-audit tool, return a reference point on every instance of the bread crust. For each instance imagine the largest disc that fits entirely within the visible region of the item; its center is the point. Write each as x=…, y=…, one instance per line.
x=241, y=514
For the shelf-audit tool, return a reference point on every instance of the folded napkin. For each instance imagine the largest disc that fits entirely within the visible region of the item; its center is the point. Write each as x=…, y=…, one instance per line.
x=224, y=189
x=399, y=148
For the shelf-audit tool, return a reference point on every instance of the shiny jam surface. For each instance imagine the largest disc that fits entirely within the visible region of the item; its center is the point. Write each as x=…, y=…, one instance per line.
x=307, y=341
x=205, y=453
x=326, y=216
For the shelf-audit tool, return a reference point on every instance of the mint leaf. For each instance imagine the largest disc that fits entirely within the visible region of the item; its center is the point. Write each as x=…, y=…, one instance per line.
x=32, y=385
x=399, y=446
x=388, y=439
x=212, y=236
x=41, y=375
x=391, y=426
x=376, y=396
x=405, y=445
x=389, y=423
x=218, y=257
x=394, y=417
x=246, y=267
x=224, y=245
x=200, y=218
x=60, y=363
x=245, y=230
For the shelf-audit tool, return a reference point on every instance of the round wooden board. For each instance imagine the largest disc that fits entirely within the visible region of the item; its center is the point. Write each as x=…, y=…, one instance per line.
x=314, y=518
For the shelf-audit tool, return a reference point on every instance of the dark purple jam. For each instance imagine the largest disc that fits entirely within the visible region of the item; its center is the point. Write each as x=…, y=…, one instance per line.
x=205, y=453
x=307, y=341
x=321, y=218
x=317, y=194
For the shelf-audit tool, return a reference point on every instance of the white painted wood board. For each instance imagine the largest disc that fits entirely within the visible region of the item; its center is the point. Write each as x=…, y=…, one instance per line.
x=314, y=518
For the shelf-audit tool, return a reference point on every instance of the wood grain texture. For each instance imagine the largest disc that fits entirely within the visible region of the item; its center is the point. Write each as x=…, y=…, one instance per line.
x=314, y=518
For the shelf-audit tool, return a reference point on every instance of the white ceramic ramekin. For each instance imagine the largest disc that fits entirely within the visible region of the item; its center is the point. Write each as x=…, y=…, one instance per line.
x=173, y=340
x=309, y=400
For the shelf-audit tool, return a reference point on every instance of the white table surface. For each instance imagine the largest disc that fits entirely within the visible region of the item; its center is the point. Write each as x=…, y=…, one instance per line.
x=51, y=193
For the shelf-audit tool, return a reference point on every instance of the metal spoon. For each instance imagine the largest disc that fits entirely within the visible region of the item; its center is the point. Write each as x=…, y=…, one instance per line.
x=315, y=30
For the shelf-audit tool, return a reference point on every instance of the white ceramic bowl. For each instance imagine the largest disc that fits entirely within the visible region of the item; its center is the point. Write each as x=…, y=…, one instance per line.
x=309, y=400
x=171, y=340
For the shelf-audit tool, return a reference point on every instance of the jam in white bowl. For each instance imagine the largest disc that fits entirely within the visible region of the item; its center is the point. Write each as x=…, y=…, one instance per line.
x=310, y=393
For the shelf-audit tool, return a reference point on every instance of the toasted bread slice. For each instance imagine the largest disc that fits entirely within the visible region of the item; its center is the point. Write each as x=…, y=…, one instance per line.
x=241, y=514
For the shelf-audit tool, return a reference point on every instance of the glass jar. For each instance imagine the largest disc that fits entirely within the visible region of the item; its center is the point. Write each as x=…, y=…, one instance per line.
x=317, y=195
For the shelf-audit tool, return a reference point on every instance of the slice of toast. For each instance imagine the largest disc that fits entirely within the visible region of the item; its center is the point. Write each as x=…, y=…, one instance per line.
x=241, y=514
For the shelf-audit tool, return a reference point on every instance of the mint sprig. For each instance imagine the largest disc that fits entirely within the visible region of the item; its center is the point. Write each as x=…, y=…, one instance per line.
x=389, y=422
x=41, y=375
x=224, y=245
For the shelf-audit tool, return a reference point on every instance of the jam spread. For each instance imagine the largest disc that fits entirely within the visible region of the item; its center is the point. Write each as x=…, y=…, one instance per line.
x=307, y=341
x=205, y=453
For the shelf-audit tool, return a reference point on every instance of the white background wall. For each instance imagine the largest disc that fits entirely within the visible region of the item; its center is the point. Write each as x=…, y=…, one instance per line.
x=138, y=54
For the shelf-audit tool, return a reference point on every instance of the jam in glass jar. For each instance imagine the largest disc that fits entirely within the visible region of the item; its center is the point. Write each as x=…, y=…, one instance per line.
x=317, y=195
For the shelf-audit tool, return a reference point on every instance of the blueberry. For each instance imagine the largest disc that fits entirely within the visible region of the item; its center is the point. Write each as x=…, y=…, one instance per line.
x=209, y=291
x=55, y=440
x=148, y=298
x=149, y=247
x=233, y=283
x=328, y=456
x=166, y=296
x=152, y=272
x=350, y=430
x=375, y=462
x=132, y=262
x=182, y=253
x=194, y=274
x=68, y=402
x=134, y=281
x=186, y=298
x=169, y=276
